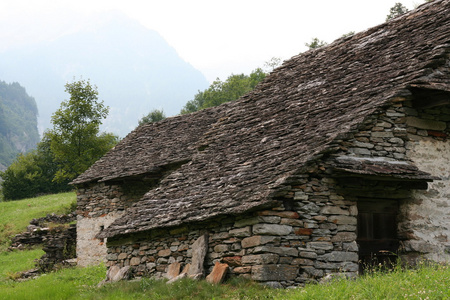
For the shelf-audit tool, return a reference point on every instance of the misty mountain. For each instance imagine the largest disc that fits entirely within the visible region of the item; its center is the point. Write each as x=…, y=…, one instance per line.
x=18, y=122
x=133, y=67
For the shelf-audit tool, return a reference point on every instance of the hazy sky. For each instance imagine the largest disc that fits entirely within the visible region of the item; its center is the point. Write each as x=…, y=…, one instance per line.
x=216, y=37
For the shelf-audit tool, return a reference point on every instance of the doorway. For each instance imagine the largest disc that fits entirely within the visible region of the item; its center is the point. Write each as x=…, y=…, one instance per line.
x=377, y=233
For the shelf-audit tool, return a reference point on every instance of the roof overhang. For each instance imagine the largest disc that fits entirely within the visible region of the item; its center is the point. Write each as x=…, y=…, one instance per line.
x=380, y=169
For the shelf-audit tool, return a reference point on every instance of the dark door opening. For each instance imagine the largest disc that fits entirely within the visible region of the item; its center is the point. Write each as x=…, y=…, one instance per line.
x=377, y=233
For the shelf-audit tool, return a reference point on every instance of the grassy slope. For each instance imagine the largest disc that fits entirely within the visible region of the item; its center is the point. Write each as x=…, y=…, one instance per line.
x=15, y=216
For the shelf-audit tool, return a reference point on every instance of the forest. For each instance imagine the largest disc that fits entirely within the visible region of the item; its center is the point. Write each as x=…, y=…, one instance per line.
x=18, y=122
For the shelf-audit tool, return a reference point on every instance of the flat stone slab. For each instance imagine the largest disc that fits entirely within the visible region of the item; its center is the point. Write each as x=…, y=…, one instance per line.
x=199, y=249
x=218, y=273
x=173, y=270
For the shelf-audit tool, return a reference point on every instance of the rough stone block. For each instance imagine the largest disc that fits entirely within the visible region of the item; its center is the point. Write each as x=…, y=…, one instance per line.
x=360, y=151
x=344, y=237
x=283, y=251
x=115, y=273
x=334, y=210
x=320, y=245
x=135, y=261
x=221, y=248
x=164, y=252
x=246, y=222
x=173, y=270
x=272, y=229
x=301, y=196
x=291, y=222
x=269, y=219
x=308, y=254
x=382, y=134
x=274, y=272
x=122, y=256
x=218, y=273
x=241, y=232
x=112, y=256
x=259, y=240
x=199, y=250
x=234, y=261
x=346, y=220
x=340, y=256
x=260, y=259
x=242, y=270
x=303, y=231
x=302, y=262
x=313, y=272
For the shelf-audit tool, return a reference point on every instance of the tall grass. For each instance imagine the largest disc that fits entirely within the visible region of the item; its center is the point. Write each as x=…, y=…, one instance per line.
x=16, y=215
x=426, y=282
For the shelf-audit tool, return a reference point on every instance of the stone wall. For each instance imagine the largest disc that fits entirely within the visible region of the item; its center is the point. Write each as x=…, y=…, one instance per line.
x=426, y=218
x=59, y=247
x=404, y=132
x=98, y=205
x=311, y=234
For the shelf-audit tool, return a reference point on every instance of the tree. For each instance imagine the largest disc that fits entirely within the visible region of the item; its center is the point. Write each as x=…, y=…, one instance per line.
x=315, y=43
x=223, y=91
x=32, y=174
x=153, y=116
x=397, y=10
x=75, y=140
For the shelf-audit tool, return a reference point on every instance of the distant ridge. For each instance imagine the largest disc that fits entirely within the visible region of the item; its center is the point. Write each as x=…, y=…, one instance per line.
x=18, y=122
x=134, y=68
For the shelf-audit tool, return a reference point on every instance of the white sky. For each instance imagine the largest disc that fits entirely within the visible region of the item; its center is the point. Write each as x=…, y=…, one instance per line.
x=217, y=37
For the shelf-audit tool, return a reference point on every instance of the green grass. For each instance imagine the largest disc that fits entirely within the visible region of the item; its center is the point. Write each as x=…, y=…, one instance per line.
x=13, y=262
x=15, y=216
x=65, y=284
x=427, y=282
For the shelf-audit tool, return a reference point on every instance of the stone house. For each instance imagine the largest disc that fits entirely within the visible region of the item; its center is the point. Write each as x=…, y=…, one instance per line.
x=338, y=159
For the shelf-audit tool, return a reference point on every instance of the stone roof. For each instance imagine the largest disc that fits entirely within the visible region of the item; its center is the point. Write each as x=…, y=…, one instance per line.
x=243, y=150
x=380, y=167
x=151, y=147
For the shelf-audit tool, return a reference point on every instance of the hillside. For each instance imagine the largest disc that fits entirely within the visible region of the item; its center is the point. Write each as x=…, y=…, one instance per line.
x=135, y=70
x=18, y=122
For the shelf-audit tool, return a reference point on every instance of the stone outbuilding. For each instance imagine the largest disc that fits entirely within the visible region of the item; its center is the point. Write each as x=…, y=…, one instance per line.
x=338, y=159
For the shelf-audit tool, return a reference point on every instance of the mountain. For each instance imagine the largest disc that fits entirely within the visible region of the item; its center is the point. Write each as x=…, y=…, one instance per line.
x=133, y=67
x=18, y=122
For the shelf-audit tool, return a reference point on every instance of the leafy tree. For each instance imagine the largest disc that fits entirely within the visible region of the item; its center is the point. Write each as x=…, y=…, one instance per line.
x=153, y=116
x=75, y=140
x=315, y=43
x=223, y=91
x=397, y=10
x=31, y=174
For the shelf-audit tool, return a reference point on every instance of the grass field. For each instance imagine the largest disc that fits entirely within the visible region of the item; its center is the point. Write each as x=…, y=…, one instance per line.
x=427, y=282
